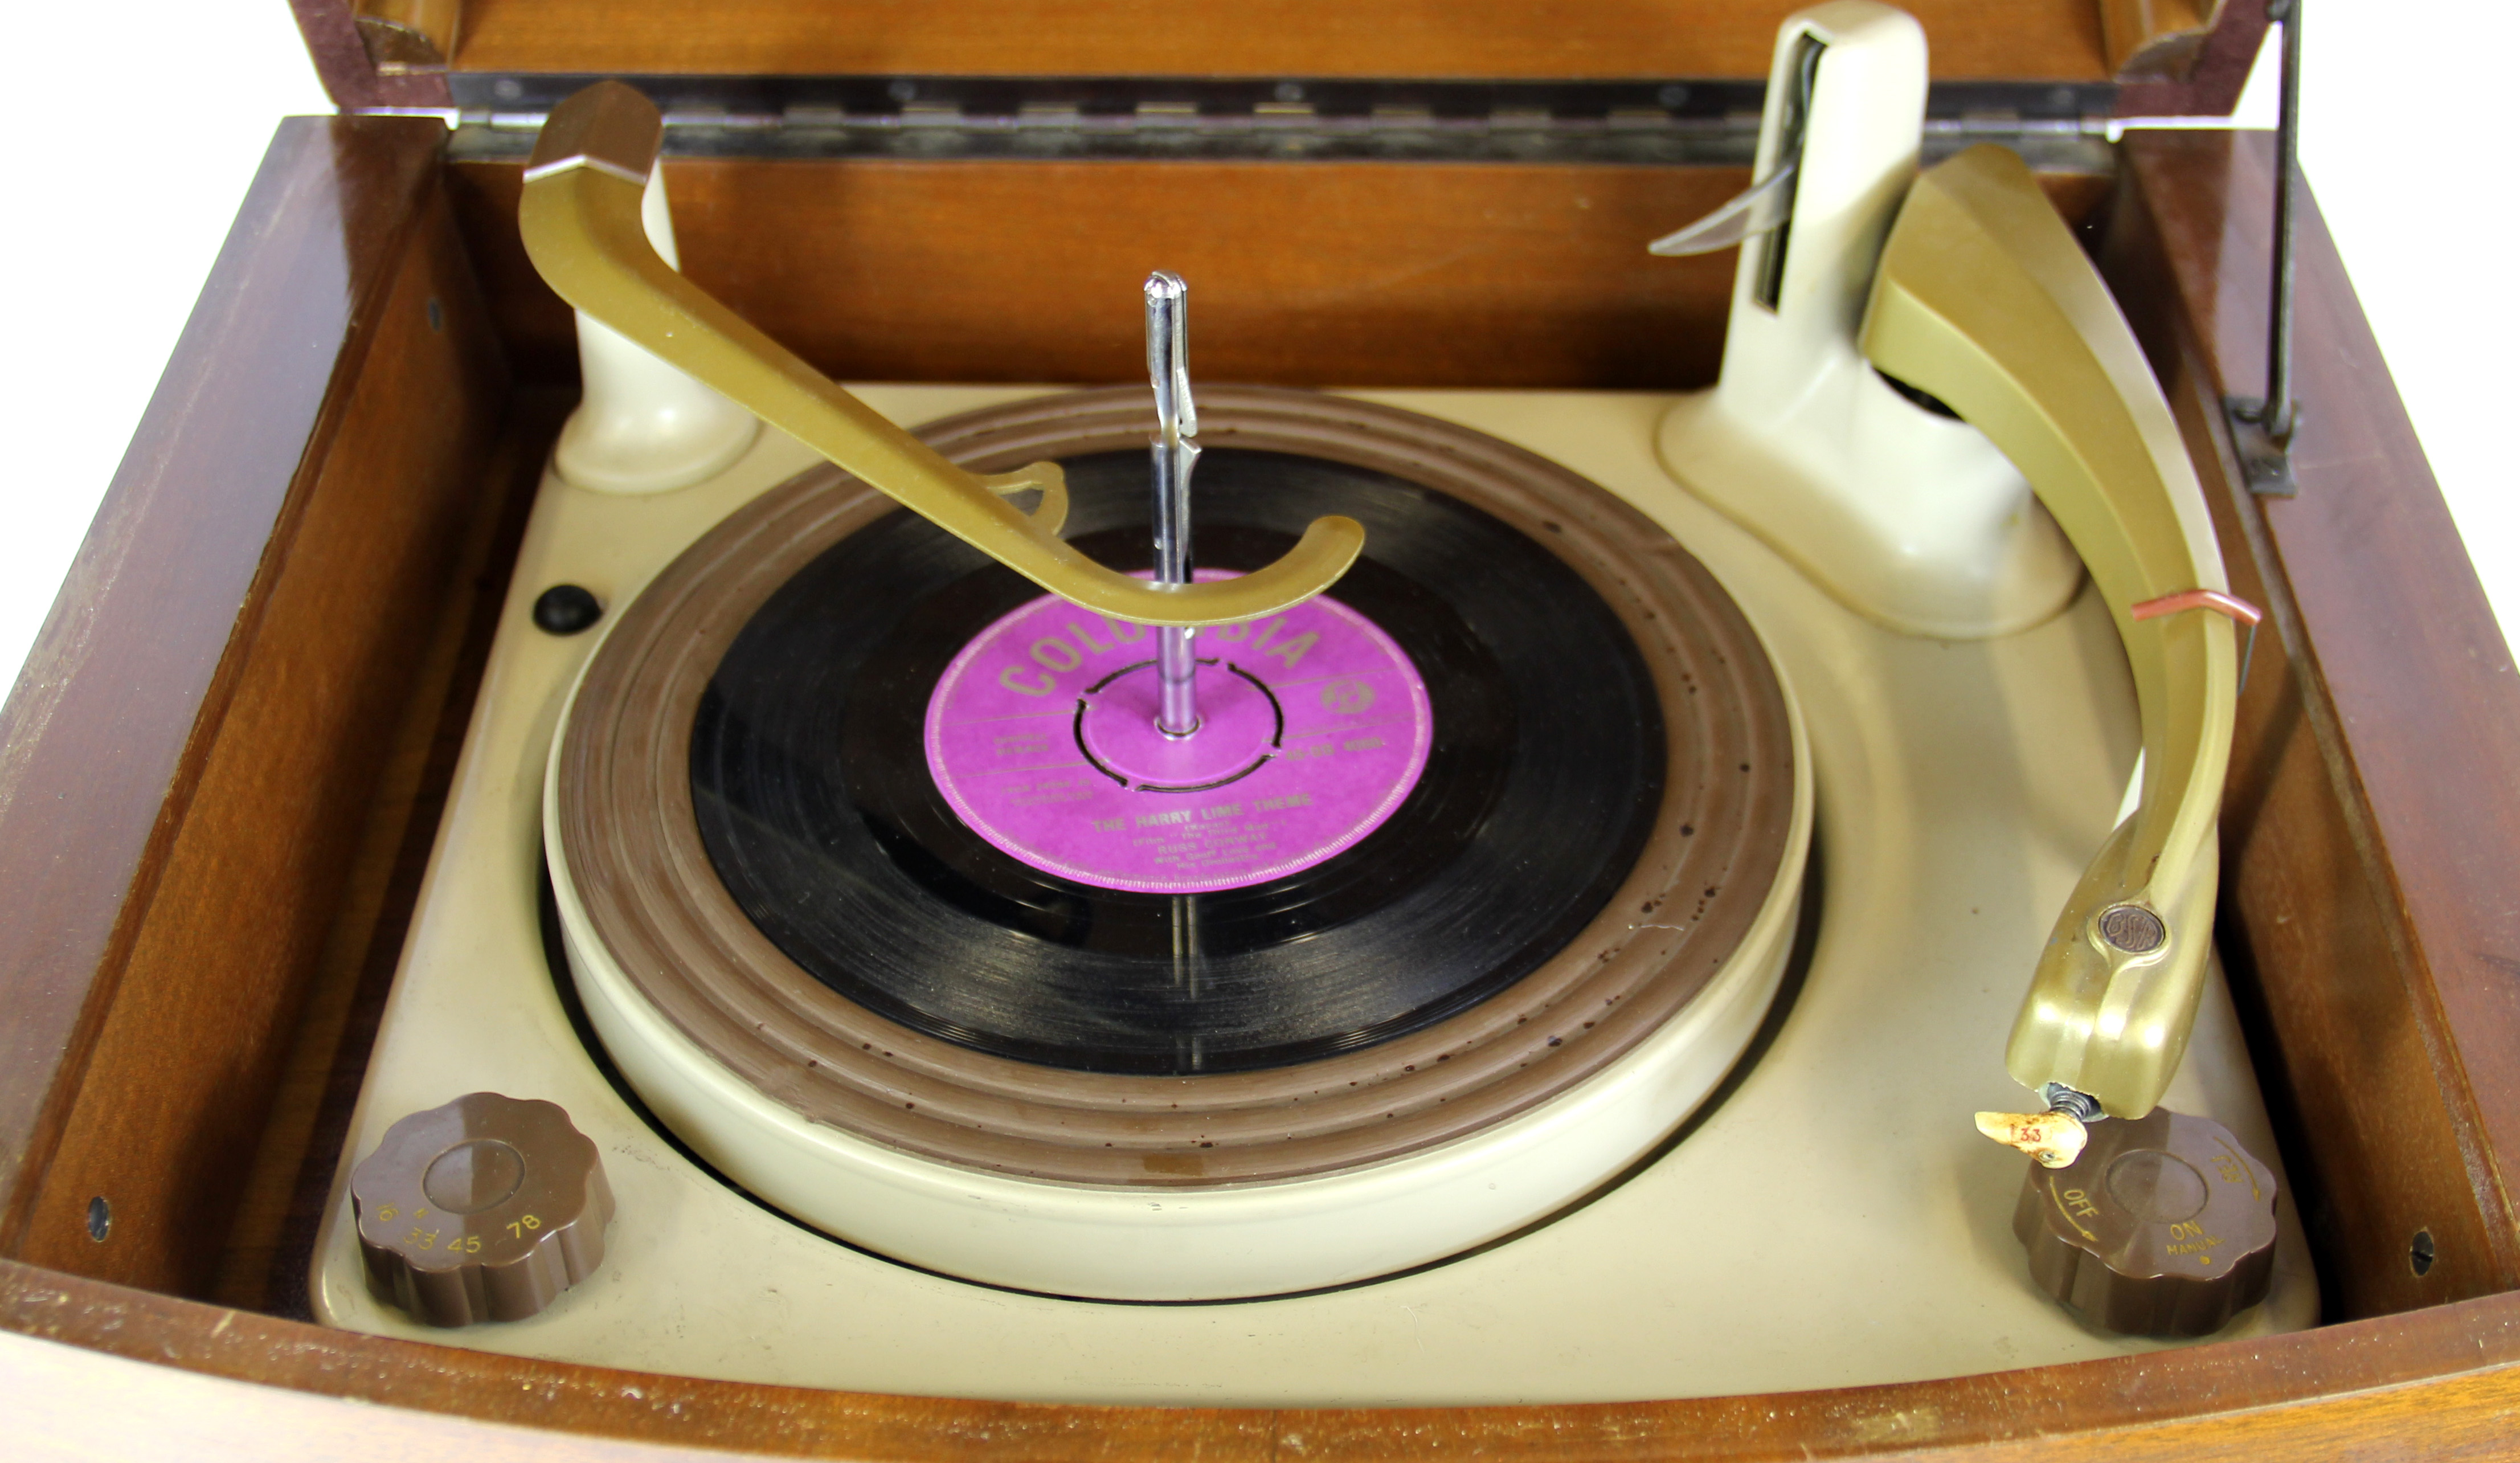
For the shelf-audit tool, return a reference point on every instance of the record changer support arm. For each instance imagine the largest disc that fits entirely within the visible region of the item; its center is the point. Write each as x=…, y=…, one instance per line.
x=580, y=220
x=1984, y=300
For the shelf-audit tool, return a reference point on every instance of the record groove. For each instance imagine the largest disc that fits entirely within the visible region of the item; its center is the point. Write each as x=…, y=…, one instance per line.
x=815, y=800
x=627, y=847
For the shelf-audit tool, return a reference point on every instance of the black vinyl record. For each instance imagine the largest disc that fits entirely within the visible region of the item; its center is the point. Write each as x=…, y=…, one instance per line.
x=815, y=805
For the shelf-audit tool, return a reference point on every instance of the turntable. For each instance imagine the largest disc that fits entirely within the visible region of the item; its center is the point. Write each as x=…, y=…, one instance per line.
x=1379, y=897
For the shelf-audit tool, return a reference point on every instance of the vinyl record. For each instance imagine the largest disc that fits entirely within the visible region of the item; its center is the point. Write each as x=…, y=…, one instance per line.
x=790, y=939
x=821, y=811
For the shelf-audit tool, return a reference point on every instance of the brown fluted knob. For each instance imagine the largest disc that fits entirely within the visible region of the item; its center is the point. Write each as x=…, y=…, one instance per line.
x=2164, y=1226
x=484, y=1209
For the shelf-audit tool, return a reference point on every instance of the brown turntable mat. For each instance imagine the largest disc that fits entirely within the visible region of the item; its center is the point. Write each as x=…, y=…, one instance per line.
x=1635, y=905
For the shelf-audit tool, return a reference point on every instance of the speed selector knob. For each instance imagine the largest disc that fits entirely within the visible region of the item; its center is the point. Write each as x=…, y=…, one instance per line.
x=2162, y=1226
x=482, y=1210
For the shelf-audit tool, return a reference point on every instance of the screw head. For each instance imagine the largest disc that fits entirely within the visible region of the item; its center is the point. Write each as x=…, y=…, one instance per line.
x=2133, y=929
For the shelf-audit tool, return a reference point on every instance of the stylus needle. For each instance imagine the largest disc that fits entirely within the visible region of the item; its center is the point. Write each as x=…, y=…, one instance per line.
x=1175, y=451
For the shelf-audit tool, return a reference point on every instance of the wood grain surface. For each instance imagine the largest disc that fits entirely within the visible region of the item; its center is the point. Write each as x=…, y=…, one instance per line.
x=197, y=720
x=2169, y=66
x=329, y=28
x=2179, y=72
x=1514, y=275
x=288, y=1185
x=2058, y=39
x=2449, y=1375
x=2134, y=33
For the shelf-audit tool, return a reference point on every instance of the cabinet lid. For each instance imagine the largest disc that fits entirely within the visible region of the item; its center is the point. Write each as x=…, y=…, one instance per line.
x=2083, y=56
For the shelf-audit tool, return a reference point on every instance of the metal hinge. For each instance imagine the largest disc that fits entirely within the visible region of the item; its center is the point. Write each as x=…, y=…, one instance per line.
x=2059, y=127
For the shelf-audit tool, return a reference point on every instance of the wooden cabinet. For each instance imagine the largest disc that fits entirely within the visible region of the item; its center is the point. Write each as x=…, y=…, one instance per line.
x=223, y=762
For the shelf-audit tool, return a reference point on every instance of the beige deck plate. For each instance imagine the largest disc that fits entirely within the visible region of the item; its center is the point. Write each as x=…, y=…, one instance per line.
x=1836, y=1221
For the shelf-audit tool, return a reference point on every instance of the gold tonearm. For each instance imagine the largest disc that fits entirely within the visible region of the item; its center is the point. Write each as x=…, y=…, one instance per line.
x=1984, y=301
x=581, y=226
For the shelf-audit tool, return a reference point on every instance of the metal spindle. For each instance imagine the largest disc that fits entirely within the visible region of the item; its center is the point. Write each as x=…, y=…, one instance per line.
x=1175, y=450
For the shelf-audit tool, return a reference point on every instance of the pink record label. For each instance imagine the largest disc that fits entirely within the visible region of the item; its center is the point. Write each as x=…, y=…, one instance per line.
x=1313, y=727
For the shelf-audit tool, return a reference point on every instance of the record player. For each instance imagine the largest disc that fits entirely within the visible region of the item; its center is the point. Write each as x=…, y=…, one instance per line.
x=1500, y=893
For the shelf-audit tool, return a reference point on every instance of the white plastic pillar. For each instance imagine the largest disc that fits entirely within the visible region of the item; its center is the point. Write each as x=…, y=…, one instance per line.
x=642, y=425
x=1910, y=518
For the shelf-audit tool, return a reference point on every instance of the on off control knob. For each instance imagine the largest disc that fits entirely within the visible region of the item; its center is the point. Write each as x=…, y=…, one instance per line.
x=482, y=1210
x=2164, y=1226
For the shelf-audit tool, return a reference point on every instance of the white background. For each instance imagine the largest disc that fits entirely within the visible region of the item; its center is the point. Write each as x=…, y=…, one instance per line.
x=137, y=127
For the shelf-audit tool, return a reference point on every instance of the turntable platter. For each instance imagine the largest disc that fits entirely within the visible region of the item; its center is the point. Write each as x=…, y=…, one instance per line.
x=824, y=813
x=812, y=966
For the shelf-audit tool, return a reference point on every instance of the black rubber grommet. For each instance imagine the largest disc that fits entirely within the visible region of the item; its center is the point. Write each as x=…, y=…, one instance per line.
x=566, y=609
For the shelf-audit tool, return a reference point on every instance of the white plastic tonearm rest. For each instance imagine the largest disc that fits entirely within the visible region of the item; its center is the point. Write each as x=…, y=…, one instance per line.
x=642, y=425
x=1907, y=516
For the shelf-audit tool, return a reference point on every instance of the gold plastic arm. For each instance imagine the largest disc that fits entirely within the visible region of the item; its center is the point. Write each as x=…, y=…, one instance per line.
x=1984, y=301
x=580, y=219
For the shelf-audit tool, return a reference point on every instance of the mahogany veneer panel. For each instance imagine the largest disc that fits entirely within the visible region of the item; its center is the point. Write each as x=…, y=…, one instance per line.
x=189, y=751
x=2043, y=39
x=340, y=57
x=2170, y=69
x=290, y=1186
x=990, y=271
x=2130, y=28
x=2372, y=824
x=1308, y=273
x=344, y=616
x=2178, y=73
x=2449, y=1376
